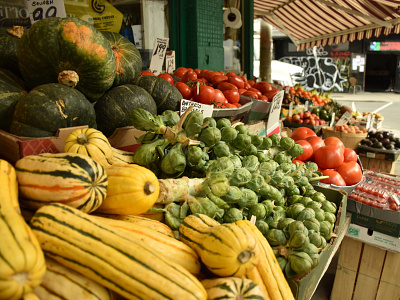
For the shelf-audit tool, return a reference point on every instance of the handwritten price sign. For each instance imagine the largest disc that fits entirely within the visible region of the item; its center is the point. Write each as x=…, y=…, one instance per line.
x=157, y=58
x=41, y=9
x=206, y=110
x=170, y=62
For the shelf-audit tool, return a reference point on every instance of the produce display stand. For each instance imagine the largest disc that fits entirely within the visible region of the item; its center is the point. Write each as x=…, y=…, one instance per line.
x=366, y=272
x=377, y=159
x=350, y=140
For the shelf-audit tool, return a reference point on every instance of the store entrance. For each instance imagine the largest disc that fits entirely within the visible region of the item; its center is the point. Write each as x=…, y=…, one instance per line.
x=380, y=73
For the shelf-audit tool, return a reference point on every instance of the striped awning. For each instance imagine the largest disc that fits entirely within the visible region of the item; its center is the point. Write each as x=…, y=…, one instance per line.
x=310, y=23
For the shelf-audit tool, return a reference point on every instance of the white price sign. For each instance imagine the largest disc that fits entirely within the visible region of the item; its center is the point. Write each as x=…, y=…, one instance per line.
x=41, y=9
x=157, y=58
x=206, y=110
x=275, y=113
x=344, y=119
x=290, y=109
x=170, y=62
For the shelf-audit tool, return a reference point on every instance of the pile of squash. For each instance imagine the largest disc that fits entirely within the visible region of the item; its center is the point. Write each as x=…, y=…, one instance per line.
x=73, y=228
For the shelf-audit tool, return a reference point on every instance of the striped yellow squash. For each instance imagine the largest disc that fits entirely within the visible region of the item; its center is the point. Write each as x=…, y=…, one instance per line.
x=232, y=288
x=22, y=263
x=74, y=179
x=226, y=249
x=60, y=282
x=104, y=254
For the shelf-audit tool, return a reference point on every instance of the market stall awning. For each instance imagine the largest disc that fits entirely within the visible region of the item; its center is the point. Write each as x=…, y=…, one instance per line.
x=311, y=23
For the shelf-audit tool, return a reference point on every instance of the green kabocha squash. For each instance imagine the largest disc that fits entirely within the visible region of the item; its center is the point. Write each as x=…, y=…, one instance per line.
x=114, y=107
x=127, y=58
x=9, y=39
x=48, y=107
x=68, y=51
x=12, y=89
x=166, y=95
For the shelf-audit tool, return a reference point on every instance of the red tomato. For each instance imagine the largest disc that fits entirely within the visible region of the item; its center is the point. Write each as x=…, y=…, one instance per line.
x=202, y=72
x=250, y=94
x=197, y=70
x=219, y=98
x=237, y=81
x=301, y=133
x=270, y=94
x=295, y=161
x=316, y=142
x=255, y=91
x=147, y=73
x=215, y=80
x=231, y=74
x=185, y=90
x=180, y=71
x=307, y=150
x=349, y=155
x=167, y=77
x=328, y=157
x=232, y=96
x=210, y=74
x=263, y=98
x=189, y=76
x=351, y=172
x=244, y=78
x=263, y=87
x=251, y=82
x=241, y=91
x=334, y=141
x=334, y=178
x=204, y=94
x=223, y=86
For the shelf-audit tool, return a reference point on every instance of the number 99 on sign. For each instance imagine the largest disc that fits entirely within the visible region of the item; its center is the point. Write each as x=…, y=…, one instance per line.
x=38, y=13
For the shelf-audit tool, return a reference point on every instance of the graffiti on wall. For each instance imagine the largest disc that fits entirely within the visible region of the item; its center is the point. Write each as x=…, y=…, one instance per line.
x=331, y=74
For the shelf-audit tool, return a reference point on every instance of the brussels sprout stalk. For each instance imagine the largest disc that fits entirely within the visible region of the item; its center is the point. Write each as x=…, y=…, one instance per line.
x=178, y=189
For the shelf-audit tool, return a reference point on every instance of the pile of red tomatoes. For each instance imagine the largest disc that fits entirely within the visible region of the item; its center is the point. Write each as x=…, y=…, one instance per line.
x=217, y=88
x=331, y=156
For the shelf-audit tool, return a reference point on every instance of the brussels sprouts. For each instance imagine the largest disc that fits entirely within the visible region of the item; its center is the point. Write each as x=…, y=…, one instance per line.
x=270, y=192
x=318, y=196
x=202, y=205
x=258, y=210
x=294, y=199
x=282, y=262
x=242, y=141
x=210, y=136
x=169, y=117
x=143, y=120
x=302, y=181
x=237, y=162
x=275, y=237
x=330, y=217
x=232, y=215
x=281, y=157
x=286, y=143
x=326, y=230
x=312, y=224
x=294, y=210
x=315, y=258
x=249, y=198
x=275, y=138
x=256, y=182
x=233, y=195
x=329, y=206
x=266, y=143
x=309, y=190
x=296, y=226
x=221, y=165
x=298, y=240
x=283, y=223
x=269, y=207
x=272, y=222
x=294, y=191
x=277, y=177
x=266, y=168
x=311, y=166
x=287, y=183
x=314, y=205
x=250, y=150
x=305, y=201
x=287, y=167
x=319, y=214
x=211, y=122
x=296, y=150
x=172, y=215
x=174, y=162
x=193, y=123
x=300, y=262
x=221, y=149
x=317, y=240
x=241, y=128
x=281, y=201
x=147, y=154
x=240, y=177
x=194, y=154
x=279, y=212
x=305, y=214
x=256, y=140
x=228, y=134
x=223, y=122
x=218, y=183
x=289, y=273
x=262, y=157
x=262, y=226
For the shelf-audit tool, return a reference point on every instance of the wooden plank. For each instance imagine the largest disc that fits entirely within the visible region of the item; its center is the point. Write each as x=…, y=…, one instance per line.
x=389, y=287
x=369, y=273
x=346, y=270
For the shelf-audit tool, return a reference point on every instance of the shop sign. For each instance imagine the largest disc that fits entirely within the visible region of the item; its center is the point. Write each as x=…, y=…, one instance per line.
x=384, y=46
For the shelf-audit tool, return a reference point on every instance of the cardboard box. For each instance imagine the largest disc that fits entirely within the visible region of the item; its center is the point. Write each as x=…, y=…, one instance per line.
x=125, y=138
x=13, y=147
x=381, y=220
x=374, y=238
x=234, y=114
x=377, y=159
x=259, y=110
x=350, y=140
x=303, y=288
x=366, y=272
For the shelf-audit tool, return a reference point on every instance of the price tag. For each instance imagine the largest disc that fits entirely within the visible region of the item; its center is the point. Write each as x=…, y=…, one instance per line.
x=287, y=90
x=395, y=198
x=353, y=106
x=170, y=62
x=372, y=121
x=332, y=120
x=137, y=36
x=344, y=119
x=368, y=123
x=157, y=58
x=39, y=10
x=275, y=113
x=206, y=110
x=370, y=155
x=306, y=105
x=290, y=109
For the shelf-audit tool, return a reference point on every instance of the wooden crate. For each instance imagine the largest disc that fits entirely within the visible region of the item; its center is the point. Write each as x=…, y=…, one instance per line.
x=378, y=165
x=366, y=272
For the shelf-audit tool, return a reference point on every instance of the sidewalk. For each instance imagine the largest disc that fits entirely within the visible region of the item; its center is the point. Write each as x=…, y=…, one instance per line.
x=366, y=96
